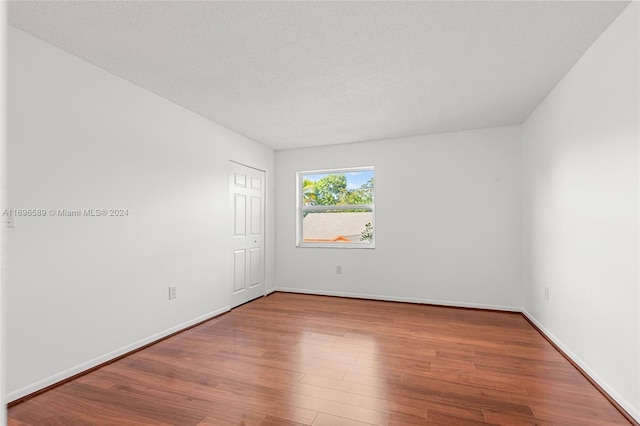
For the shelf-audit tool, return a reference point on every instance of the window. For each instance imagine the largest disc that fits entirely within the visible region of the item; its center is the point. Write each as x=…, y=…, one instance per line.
x=336, y=208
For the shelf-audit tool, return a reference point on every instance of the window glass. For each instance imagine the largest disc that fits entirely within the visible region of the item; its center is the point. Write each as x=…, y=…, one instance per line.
x=336, y=208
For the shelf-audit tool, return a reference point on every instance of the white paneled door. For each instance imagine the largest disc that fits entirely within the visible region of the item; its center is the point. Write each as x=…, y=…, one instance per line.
x=247, y=206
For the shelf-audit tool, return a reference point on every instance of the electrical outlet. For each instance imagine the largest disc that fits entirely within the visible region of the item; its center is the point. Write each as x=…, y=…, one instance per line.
x=172, y=292
x=338, y=269
x=546, y=293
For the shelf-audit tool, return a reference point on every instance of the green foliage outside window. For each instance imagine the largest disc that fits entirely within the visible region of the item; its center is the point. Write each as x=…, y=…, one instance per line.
x=331, y=190
x=367, y=234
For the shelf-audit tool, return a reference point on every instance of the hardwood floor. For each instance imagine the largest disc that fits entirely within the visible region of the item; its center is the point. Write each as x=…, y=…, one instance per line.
x=290, y=359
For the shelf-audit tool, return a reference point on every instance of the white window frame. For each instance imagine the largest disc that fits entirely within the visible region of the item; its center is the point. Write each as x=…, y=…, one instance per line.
x=301, y=208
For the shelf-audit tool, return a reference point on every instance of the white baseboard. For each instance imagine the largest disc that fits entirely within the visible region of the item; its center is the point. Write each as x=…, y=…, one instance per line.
x=41, y=384
x=628, y=407
x=400, y=299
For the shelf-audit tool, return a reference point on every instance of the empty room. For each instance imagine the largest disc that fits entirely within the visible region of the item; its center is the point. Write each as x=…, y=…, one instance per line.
x=320, y=213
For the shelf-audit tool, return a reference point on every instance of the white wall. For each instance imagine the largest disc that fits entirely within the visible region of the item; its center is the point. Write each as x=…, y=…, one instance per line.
x=447, y=221
x=81, y=290
x=581, y=212
x=3, y=128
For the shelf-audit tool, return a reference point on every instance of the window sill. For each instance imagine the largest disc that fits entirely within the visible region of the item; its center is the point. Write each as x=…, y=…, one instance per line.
x=337, y=245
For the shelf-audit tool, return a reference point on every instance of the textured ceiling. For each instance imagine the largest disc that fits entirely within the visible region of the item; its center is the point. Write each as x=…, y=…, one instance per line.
x=295, y=74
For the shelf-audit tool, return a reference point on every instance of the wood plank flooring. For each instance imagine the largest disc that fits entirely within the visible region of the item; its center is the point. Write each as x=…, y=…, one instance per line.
x=291, y=359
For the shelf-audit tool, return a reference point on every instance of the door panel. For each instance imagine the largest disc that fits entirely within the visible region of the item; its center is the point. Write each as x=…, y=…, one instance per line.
x=255, y=259
x=239, y=268
x=256, y=216
x=256, y=183
x=247, y=186
x=240, y=215
x=240, y=180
